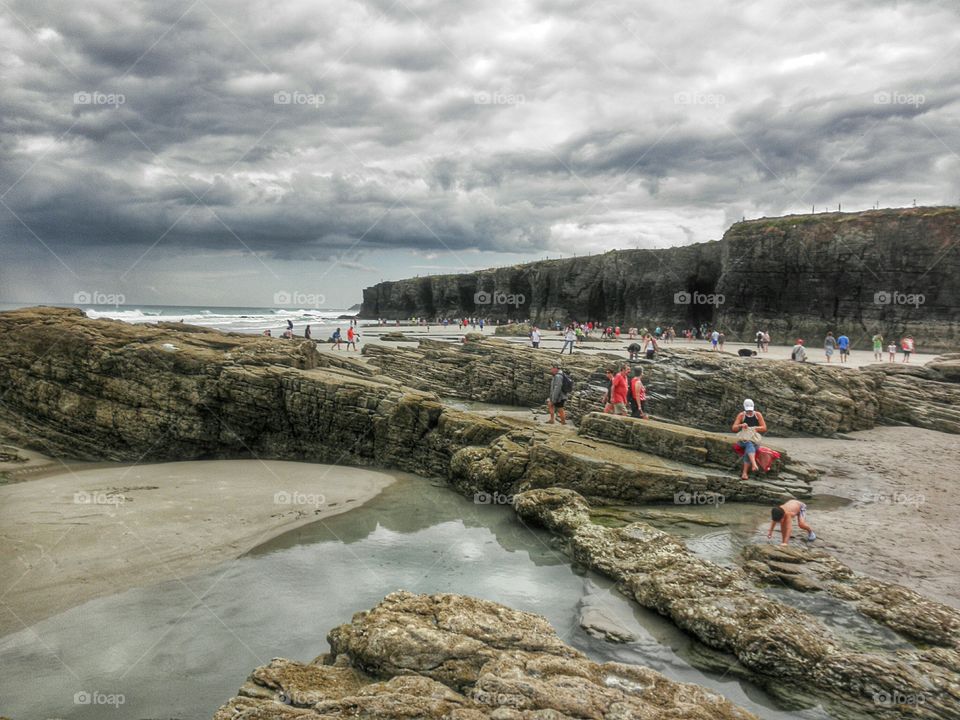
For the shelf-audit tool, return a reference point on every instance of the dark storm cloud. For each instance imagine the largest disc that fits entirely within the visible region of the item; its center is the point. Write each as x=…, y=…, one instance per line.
x=442, y=126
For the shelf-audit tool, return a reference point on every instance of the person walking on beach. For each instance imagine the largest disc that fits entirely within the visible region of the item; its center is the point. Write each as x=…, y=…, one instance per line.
x=877, y=341
x=799, y=352
x=784, y=515
x=906, y=347
x=760, y=340
x=638, y=395
x=337, y=338
x=749, y=425
x=829, y=345
x=892, y=351
x=714, y=340
x=766, y=341
x=306, y=332
x=569, y=340
x=721, y=339
x=843, y=342
x=535, y=337
x=557, y=397
x=351, y=338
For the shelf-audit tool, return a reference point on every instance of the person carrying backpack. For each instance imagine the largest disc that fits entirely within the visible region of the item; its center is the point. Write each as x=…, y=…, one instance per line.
x=561, y=385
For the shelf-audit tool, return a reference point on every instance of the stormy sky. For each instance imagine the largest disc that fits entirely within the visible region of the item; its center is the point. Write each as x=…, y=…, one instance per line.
x=219, y=152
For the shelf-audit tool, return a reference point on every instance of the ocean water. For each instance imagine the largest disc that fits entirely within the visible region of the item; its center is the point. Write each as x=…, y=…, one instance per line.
x=227, y=319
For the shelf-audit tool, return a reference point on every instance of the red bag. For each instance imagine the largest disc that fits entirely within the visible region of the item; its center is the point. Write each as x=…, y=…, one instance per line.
x=765, y=456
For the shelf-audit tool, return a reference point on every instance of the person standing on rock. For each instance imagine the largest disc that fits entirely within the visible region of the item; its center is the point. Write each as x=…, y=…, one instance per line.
x=749, y=425
x=569, y=340
x=535, y=337
x=650, y=347
x=617, y=400
x=638, y=395
x=557, y=398
x=306, y=332
x=829, y=345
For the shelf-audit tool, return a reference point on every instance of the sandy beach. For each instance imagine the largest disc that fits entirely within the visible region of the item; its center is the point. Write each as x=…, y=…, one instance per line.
x=902, y=525
x=75, y=535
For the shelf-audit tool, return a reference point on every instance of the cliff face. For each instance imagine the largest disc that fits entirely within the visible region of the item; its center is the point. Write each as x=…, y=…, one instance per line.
x=895, y=272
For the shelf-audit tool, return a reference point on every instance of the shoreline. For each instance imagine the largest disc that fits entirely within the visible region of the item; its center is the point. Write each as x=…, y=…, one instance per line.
x=75, y=535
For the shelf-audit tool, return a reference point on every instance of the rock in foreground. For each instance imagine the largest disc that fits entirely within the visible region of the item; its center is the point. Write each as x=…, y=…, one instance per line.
x=460, y=658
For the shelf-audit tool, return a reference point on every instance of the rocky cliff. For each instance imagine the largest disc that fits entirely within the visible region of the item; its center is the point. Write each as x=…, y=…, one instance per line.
x=892, y=271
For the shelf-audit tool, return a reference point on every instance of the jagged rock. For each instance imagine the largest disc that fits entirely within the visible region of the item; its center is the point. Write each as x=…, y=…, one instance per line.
x=460, y=658
x=722, y=608
x=900, y=608
x=795, y=276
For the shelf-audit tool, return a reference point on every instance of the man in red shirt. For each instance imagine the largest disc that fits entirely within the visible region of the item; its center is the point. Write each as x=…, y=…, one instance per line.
x=617, y=401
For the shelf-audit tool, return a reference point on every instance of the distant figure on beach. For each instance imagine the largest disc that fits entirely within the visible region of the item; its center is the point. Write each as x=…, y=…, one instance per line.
x=558, y=397
x=892, y=351
x=649, y=347
x=638, y=395
x=784, y=515
x=290, y=325
x=749, y=425
x=843, y=342
x=569, y=340
x=351, y=338
x=766, y=341
x=906, y=347
x=337, y=338
x=535, y=336
x=746, y=352
x=877, y=341
x=617, y=395
x=634, y=349
x=799, y=352
x=829, y=345
x=306, y=332
x=759, y=339
x=721, y=339
x=714, y=340
x=267, y=333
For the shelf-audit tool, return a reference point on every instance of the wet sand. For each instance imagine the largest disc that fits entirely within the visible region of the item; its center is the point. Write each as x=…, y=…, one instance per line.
x=904, y=523
x=77, y=535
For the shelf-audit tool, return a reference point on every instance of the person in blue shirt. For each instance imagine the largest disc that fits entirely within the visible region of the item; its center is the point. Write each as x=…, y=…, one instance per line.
x=843, y=342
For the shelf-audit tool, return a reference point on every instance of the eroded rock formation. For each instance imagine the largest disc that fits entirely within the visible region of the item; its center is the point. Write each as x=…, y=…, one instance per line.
x=459, y=658
x=795, y=276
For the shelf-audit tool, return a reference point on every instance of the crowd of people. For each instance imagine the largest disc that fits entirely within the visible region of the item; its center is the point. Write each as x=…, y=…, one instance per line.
x=841, y=345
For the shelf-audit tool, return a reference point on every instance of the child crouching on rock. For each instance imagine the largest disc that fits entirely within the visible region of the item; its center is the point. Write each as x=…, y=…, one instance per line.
x=784, y=515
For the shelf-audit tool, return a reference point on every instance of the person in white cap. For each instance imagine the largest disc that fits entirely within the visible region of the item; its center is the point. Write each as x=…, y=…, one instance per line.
x=748, y=426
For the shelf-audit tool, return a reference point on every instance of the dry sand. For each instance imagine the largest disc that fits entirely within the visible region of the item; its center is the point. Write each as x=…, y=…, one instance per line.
x=77, y=535
x=904, y=523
